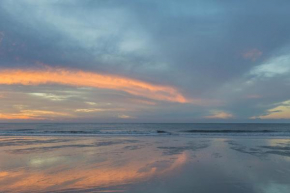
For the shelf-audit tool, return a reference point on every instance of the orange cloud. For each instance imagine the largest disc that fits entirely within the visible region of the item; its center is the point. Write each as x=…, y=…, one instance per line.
x=279, y=112
x=50, y=75
x=13, y=116
x=220, y=115
x=32, y=115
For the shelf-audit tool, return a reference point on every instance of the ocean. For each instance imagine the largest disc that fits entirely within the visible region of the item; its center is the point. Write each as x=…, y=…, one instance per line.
x=145, y=129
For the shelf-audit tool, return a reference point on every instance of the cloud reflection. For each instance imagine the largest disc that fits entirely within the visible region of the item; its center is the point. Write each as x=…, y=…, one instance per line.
x=54, y=171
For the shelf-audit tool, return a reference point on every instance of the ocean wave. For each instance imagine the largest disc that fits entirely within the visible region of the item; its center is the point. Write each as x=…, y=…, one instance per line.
x=92, y=129
x=149, y=133
x=232, y=131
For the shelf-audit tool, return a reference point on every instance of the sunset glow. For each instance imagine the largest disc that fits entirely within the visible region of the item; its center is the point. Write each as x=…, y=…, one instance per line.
x=144, y=96
x=204, y=63
x=280, y=112
x=79, y=78
x=33, y=115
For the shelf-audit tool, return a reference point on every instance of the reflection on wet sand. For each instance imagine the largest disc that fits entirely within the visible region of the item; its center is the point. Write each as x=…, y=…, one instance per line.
x=275, y=146
x=56, y=172
x=143, y=164
x=82, y=178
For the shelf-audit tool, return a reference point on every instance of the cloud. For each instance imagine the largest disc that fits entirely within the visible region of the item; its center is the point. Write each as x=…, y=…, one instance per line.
x=140, y=101
x=12, y=116
x=252, y=54
x=202, y=51
x=33, y=115
x=1, y=36
x=63, y=76
x=98, y=110
x=273, y=67
x=253, y=96
x=280, y=112
x=125, y=117
x=50, y=96
x=91, y=103
x=220, y=115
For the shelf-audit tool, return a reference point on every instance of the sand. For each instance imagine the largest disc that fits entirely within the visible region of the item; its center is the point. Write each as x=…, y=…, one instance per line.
x=153, y=164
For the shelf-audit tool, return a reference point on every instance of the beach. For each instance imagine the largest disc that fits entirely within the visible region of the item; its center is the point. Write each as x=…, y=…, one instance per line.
x=112, y=96
x=158, y=164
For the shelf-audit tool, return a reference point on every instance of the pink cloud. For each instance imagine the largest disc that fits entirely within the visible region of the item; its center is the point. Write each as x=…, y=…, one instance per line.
x=252, y=54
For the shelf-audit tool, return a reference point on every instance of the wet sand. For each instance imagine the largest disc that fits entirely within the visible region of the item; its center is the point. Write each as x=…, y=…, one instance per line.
x=158, y=164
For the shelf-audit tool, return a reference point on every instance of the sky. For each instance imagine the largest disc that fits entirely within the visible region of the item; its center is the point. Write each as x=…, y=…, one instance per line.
x=144, y=61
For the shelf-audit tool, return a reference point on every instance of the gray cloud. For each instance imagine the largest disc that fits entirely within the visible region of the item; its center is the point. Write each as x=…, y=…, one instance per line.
x=235, y=53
